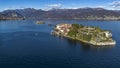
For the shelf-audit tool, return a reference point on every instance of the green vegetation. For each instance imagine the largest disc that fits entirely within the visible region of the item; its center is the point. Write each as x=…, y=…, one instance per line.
x=86, y=34
x=74, y=30
x=87, y=37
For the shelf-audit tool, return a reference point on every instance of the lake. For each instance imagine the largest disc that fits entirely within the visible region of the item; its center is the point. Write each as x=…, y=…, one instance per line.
x=24, y=44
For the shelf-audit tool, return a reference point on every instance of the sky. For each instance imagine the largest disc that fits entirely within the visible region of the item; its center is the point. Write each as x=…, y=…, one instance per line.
x=48, y=4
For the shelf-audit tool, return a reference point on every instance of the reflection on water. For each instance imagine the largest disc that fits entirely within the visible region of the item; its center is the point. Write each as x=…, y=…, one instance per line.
x=102, y=47
x=74, y=43
x=86, y=47
x=71, y=42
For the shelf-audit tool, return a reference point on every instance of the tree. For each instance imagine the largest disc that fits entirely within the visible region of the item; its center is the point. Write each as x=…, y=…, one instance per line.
x=74, y=30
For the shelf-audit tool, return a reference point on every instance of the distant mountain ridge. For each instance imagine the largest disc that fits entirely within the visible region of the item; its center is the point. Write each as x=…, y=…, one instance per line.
x=10, y=15
x=81, y=13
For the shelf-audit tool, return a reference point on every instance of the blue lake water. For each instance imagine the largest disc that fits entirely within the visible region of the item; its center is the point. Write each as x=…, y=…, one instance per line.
x=24, y=44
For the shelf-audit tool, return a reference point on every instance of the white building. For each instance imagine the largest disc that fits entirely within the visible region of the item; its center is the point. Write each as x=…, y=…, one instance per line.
x=108, y=34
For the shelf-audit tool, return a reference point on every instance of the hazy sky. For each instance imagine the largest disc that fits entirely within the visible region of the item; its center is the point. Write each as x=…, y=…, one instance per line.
x=46, y=4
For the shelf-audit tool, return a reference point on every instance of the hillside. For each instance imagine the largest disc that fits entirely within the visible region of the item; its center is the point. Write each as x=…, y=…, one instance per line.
x=10, y=15
x=81, y=13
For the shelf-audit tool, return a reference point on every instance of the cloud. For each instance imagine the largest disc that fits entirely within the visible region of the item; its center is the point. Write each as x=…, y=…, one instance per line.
x=56, y=6
x=115, y=4
x=100, y=6
x=71, y=8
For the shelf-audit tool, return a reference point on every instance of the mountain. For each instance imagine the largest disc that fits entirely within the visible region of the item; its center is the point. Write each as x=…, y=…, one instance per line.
x=81, y=13
x=10, y=15
x=84, y=13
x=31, y=13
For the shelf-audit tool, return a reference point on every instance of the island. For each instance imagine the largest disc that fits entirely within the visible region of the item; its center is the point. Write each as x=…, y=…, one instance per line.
x=40, y=22
x=86, y=34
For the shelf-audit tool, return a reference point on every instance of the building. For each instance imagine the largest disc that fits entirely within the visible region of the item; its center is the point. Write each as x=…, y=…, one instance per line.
x=108, y=34
x=63, y=28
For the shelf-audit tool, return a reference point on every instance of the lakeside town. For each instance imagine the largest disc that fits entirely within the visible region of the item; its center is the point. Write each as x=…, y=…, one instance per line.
x=86, y=34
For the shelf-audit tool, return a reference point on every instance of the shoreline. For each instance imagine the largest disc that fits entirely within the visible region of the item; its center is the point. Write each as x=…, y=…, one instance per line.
x=90, y=43
x=65, y=19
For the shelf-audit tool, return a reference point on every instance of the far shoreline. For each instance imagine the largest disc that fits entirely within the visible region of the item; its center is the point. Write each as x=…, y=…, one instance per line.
x=58, y=19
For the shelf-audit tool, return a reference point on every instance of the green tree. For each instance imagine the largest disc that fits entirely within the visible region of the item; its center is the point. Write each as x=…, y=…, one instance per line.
x=74, y=30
